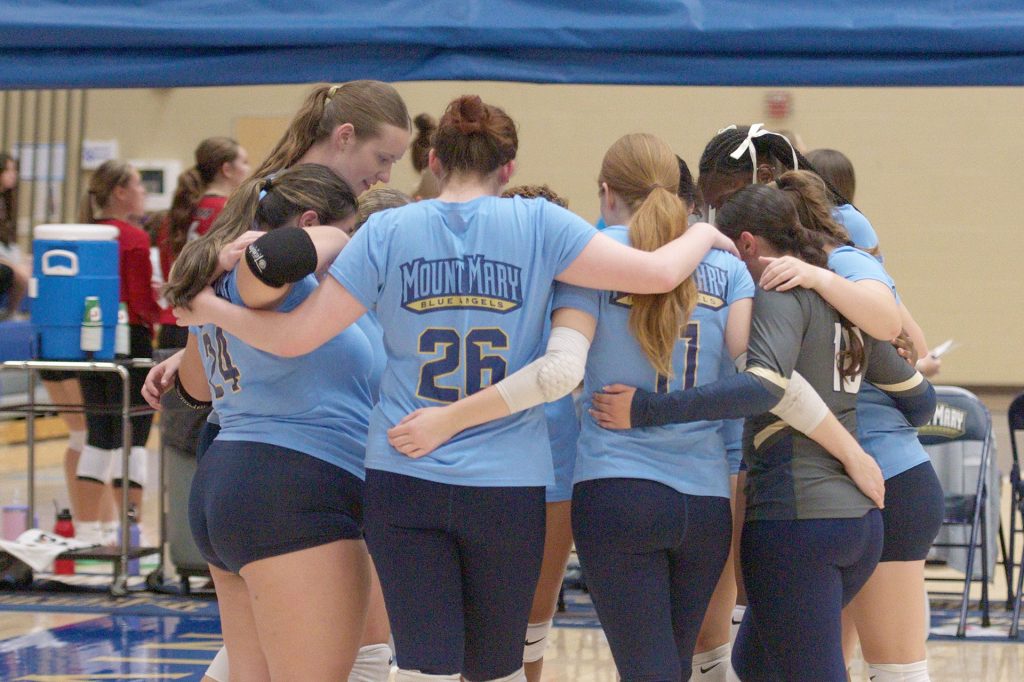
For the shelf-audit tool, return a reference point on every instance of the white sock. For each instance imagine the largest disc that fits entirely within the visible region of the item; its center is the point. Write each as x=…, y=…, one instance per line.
x=373, y=664
x=896, y=672
x=89, y=531
x=737, y=618
x=711, y=666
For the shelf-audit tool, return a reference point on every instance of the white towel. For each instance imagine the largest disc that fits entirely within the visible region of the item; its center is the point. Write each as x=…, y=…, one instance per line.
x=38, y=549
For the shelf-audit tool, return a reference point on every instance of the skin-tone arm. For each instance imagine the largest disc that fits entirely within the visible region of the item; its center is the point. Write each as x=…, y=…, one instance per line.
x=603, y=264
x=606, y=264
x=329, y=242
x=325, y=313
x=868, y=304
x=925, y=363
x=160, y=379
x=737, y=327
x=191, y=374
x=424, y=430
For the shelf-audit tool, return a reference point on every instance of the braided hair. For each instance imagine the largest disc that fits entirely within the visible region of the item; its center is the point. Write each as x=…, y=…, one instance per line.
x=772, y=148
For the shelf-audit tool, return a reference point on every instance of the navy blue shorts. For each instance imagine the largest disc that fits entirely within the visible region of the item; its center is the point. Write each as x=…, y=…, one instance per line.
x=914, y=507
x=799, y=575
x=651, y=557
x=458, y=566
x=253, y=501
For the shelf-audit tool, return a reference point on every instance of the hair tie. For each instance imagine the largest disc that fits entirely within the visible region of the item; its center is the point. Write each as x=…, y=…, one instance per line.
x=266, y=187
x=331, y=93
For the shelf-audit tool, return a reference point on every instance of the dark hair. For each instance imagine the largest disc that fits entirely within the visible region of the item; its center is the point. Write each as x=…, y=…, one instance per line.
x=688, y=190
x=425, y=128
x=306, y=187
x=211, y=154
x=8, y=205
x=473, y=137
x=366, y=104
x=534, y=192
x=834, y=167
x=808, y=193
x=766, y=212
x=771, y=148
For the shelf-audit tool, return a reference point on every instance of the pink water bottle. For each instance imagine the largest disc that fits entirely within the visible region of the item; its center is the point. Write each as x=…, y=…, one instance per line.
x=65, y=528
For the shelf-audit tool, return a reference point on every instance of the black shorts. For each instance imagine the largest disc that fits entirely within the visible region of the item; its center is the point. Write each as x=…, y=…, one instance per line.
x=57, y=375
x=914, y=507
x=253, y=501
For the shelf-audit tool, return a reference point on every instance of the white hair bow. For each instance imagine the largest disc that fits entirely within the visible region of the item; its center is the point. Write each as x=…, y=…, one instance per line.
x=747, y=146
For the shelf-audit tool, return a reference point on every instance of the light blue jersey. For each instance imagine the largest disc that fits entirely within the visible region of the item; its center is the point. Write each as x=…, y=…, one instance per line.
x=732, y=429
x=862, y=234
x=461, y=291
x=689, y=458
x=882, y=430
x=318, y=403
x=375, y=335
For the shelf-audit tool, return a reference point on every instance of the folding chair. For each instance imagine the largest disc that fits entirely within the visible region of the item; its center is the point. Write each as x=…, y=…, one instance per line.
x=1016, y=417
x=958, y=439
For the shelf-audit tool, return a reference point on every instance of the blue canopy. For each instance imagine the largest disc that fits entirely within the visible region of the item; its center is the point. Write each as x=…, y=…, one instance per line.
x=165, y=43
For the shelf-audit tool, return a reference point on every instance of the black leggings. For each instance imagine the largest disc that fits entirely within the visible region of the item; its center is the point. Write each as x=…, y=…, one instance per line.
x=799, y=575
x=651, y=557
x=103, y=390
x=458, y=566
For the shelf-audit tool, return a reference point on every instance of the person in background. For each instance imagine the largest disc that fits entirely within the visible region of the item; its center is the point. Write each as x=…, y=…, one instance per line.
x=429, y=187
x=116, y=197
x=221, y=166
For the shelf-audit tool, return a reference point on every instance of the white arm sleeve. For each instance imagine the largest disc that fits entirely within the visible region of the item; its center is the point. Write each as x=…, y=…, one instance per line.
x=801, y=407
x=550, y=376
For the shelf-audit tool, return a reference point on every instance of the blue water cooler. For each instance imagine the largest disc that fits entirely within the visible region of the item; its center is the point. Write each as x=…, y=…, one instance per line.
x=71, y=263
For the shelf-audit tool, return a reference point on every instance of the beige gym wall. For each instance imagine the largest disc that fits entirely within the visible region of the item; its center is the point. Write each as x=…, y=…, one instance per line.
x=937, y=168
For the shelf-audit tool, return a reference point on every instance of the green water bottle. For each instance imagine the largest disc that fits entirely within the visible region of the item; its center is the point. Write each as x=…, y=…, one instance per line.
x=92, y=326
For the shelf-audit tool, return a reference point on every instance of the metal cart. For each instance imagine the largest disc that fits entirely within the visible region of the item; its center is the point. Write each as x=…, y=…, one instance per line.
x=119, y=556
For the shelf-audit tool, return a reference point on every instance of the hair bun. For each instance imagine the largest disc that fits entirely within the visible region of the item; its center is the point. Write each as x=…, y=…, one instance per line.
x=425, y=124
x=469, y=114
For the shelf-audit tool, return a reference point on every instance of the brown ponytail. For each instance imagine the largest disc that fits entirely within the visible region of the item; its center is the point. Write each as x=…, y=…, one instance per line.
x=110, y=175
x=308, y=186
x=366, y=104
x=809, y=195
x=644, y=172
x=211, y=155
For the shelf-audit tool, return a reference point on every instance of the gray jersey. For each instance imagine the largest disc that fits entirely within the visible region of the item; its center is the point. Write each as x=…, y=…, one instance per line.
x=791, y=476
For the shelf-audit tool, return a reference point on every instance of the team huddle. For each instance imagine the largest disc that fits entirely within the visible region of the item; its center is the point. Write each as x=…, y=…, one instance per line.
x=399, y=449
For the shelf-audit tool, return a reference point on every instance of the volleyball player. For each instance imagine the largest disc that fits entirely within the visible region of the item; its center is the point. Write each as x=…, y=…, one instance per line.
x=890, y=611
x=460, y=285
x=812, y=535
x=221, y=166
x=116, y=197
x=276, y=502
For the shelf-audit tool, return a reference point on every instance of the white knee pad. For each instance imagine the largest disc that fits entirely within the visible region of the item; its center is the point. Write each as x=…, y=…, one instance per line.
x=76, y=440
x=218, y=669
x=895, y=672
x=373, y=664
x=417, y=676
x=711, y=666
x=536, y=641
x=138, y=458
x=94, y=464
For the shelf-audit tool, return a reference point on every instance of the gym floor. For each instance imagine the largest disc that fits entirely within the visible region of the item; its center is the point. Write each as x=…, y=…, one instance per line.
x=47, y=646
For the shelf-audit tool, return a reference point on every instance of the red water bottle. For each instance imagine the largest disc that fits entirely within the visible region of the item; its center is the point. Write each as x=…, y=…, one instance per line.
x=65, y=528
